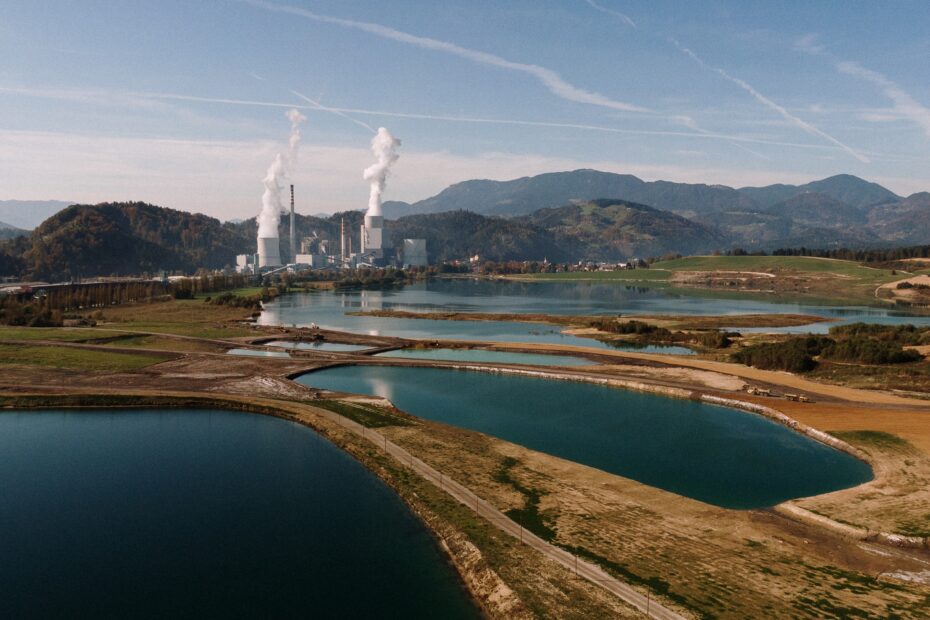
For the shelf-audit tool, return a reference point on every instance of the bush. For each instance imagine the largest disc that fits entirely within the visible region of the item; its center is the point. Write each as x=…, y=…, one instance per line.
x=794, y=355
x=870, y=351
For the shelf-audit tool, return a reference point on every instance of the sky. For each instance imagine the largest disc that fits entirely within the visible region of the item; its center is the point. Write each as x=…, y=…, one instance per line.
x=183, y=103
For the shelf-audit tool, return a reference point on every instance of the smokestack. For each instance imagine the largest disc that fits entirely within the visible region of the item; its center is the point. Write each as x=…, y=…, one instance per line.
x=293, y=229
x=342, y=239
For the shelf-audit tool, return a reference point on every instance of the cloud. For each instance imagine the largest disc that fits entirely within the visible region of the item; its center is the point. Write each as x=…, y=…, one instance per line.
x=809, y=43
x=780, y=110
x=905, y=105
x=625, y=18
x=547, y=77
x=313, y=105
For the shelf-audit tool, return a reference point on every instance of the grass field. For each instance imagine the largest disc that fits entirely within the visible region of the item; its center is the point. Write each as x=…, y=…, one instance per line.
x=765, y=263
x=188, y=317
x=62, y=334
x=80, y=359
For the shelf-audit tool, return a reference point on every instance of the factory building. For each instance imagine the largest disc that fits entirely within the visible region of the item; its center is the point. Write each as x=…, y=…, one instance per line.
x=316, y=252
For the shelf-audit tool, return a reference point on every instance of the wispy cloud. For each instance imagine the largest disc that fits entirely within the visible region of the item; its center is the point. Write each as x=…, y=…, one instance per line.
x=313, y=105
x=319, y=106
x=905, y=105
x=622, y=16
x=547, y=77
x=780, y=110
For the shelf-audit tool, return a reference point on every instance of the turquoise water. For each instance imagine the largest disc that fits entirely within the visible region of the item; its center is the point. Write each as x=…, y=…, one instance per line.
x=481, y=355
x=255, y=353
x=204, y=514
x=328, y=309
x=318, y=346
x=714, y=454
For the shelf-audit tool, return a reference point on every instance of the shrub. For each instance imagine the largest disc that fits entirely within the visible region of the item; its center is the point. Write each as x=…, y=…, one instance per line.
x=794, y=355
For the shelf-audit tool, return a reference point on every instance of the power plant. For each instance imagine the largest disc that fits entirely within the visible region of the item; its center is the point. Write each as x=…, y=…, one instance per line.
x=317, y=251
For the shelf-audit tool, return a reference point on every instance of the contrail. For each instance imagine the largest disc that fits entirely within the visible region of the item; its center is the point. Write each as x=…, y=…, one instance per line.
x=149, y=96
x=547, y=77
x=794, y=120
x=488, y=121
x=626, y=18
x=903, y=103
x=319, y=106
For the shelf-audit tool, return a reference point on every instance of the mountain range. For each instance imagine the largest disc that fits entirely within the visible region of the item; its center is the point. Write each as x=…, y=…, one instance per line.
x=841, y=210
x=560, y=216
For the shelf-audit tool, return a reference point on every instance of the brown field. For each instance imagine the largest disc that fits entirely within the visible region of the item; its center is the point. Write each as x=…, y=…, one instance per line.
x=700, y=559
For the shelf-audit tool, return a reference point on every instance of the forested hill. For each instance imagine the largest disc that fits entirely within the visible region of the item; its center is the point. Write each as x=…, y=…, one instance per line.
x=125, y=239
x=133, y=238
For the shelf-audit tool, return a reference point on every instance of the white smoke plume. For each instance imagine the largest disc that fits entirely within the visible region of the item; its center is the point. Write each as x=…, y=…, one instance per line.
x=384, y=146
x=281, y=168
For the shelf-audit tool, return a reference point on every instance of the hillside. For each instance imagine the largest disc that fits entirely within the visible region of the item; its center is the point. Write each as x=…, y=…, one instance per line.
x=127, y=238
x=528, y=194
x=613, y=229
x=11, y=232
x=458, y=234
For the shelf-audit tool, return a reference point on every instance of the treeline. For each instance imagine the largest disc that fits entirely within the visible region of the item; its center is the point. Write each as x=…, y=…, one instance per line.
x=371, y=279
x=879, y=255
x=49, y=307
x=647, y=333
x=859, y=343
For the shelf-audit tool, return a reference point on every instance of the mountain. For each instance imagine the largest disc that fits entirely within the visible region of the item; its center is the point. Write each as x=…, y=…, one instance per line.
x=902, y=222
x=555, y=189
x=11, y=232
x=27, y=214
x=458, y=234
x=615, y=229
x=128, y=238
x=844, y=188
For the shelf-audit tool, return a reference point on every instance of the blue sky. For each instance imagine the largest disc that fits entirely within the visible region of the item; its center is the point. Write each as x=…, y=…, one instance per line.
x=182, y=103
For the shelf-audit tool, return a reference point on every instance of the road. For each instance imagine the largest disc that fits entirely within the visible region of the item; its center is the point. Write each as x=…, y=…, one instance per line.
x=582, y=568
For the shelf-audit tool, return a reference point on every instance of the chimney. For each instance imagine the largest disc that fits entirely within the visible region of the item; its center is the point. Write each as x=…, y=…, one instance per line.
x=293, y=230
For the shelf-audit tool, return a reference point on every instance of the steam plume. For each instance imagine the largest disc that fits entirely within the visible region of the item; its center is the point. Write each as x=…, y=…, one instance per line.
x=384, y=146
x=281, y=168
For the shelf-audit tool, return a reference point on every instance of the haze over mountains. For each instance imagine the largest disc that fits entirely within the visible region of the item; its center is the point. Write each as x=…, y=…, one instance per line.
x=563, y=216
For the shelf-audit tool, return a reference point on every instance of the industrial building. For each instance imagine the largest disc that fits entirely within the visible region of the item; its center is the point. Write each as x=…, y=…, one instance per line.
x=317, y=252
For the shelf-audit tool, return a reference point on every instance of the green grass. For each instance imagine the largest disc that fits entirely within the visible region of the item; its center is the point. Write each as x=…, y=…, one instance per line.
x=624, y=275
x=370, y=416
x=762, y=263
x=62, y=334
x=246, y=291
x=529, y=516
x=876, y=439
x=72, y=358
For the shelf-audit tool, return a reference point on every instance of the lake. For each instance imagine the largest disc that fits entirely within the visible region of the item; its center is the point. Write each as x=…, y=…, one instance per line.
x=328, y=309
x=204, y=514
x=714, y=454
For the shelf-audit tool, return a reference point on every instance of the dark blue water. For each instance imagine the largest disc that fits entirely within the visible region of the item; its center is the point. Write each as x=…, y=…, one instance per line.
x=203, y=514
x=328, y=309
x=714, y=454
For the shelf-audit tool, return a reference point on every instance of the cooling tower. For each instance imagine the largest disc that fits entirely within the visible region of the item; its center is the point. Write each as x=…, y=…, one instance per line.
x=269, y=252
x=372, y=233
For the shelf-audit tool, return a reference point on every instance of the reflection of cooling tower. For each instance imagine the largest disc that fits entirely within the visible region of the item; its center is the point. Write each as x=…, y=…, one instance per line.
x=269, y=252
x=371, y=233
